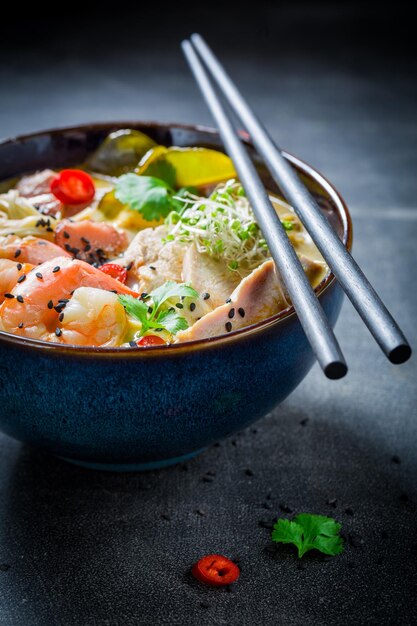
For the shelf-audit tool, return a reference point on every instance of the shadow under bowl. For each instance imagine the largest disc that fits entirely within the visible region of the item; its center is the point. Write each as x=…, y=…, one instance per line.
x=142, y=409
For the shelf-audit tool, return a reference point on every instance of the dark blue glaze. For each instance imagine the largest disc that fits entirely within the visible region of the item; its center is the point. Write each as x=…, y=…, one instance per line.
x=141, y=409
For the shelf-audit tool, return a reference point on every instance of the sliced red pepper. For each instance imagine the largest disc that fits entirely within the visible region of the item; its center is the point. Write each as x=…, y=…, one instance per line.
x=216, y=570
x=116, y=271
x=73, y=187
x=150, y=340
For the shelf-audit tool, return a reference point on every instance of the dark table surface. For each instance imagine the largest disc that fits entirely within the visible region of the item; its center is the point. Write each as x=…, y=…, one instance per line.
x=334, y=84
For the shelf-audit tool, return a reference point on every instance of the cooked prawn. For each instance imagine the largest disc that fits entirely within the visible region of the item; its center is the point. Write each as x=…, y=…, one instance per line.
x=29, y=249
x=10, y=272
x=90, y=241
x=38, y=302
x=94, y=317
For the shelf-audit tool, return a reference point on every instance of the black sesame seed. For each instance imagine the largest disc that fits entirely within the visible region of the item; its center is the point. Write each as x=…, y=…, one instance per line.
x=21, y=278
x=50, y=304
x=17, y=253
x=192, y=306
x=228, y=301
x=133, y=344
x=241, y=312
x=58, y=308
x=205, y=296
x=61, y=317
x=87, y=248
x=66, y=235
x=228, y=326
x=68, y=247
x=179, y=305
x=58, y=332
x=231, y=314
x=19, y=298
x=49, y=230
x=20, y=325
x=56, y=269
x=151, y=267
x=19, y=267
x=129, y=266
x=87, y=241
x=9, y=295
x=143, y=295
x=63, y=300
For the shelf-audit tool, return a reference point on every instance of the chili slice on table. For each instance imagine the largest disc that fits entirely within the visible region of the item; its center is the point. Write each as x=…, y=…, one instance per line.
x=73, y=187
x=150, y=340
x=216, y=570
x=115, y=271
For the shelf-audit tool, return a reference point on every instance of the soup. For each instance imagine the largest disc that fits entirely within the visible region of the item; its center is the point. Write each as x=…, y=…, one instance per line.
x=141, y=246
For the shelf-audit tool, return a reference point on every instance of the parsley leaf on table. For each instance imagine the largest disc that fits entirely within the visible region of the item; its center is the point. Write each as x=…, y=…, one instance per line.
x=150, y=196
x=310, y=532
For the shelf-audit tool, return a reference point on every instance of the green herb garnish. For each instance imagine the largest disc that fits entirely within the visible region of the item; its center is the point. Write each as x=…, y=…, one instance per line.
x=287, y=224
x=151, y=314
x=310, y=532
x=150, y=196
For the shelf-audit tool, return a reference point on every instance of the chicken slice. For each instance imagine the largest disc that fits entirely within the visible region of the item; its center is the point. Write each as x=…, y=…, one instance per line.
x=208, y=275
x=257, y=297
x=152, y=261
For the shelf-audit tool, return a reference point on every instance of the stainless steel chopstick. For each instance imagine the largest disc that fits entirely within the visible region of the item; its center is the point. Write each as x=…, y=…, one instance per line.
x=306, y=305
x=350, y=276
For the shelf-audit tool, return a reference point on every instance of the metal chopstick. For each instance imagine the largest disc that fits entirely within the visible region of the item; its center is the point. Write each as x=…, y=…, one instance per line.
x=351, y=278
x=306, y=305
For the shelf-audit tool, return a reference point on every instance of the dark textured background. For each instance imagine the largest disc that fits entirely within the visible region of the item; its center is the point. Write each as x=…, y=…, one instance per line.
x=336, y=85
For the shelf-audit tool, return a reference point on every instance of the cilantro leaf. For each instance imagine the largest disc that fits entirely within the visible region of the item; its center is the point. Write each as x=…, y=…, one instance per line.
x=310, y=532
x=154, y=317
x=150, y=196
x=171, y=321
x=136, y=308
x=171, y=289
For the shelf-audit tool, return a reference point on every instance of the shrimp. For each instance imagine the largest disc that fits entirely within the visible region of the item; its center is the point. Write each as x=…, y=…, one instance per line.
x=90, y=241
x=29, y=249
x=10, y=272
x=94, y=317
x=36, y=309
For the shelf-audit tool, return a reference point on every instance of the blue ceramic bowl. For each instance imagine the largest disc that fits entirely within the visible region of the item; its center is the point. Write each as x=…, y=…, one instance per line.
x=142, y=409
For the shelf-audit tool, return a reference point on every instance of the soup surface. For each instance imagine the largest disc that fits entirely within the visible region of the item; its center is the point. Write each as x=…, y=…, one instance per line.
x=140, y=246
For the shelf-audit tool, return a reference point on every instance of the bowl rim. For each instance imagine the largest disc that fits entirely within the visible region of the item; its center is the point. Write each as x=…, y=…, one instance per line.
x=279, y=319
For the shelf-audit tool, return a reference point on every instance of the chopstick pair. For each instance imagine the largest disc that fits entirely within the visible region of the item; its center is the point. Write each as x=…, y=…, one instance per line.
x=349, y=275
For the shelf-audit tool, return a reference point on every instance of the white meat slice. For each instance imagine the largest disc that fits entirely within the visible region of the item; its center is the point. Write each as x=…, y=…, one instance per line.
x=153, y=261
x=208, y=275
x=256, y=298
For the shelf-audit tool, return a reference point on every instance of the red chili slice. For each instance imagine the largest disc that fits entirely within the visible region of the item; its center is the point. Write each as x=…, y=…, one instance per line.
x=116, y=271
x=73, y=187
x=150, y=340
x=216, y=570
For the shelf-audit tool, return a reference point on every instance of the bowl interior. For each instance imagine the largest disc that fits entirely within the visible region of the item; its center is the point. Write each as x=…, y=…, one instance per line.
x=67, y=147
